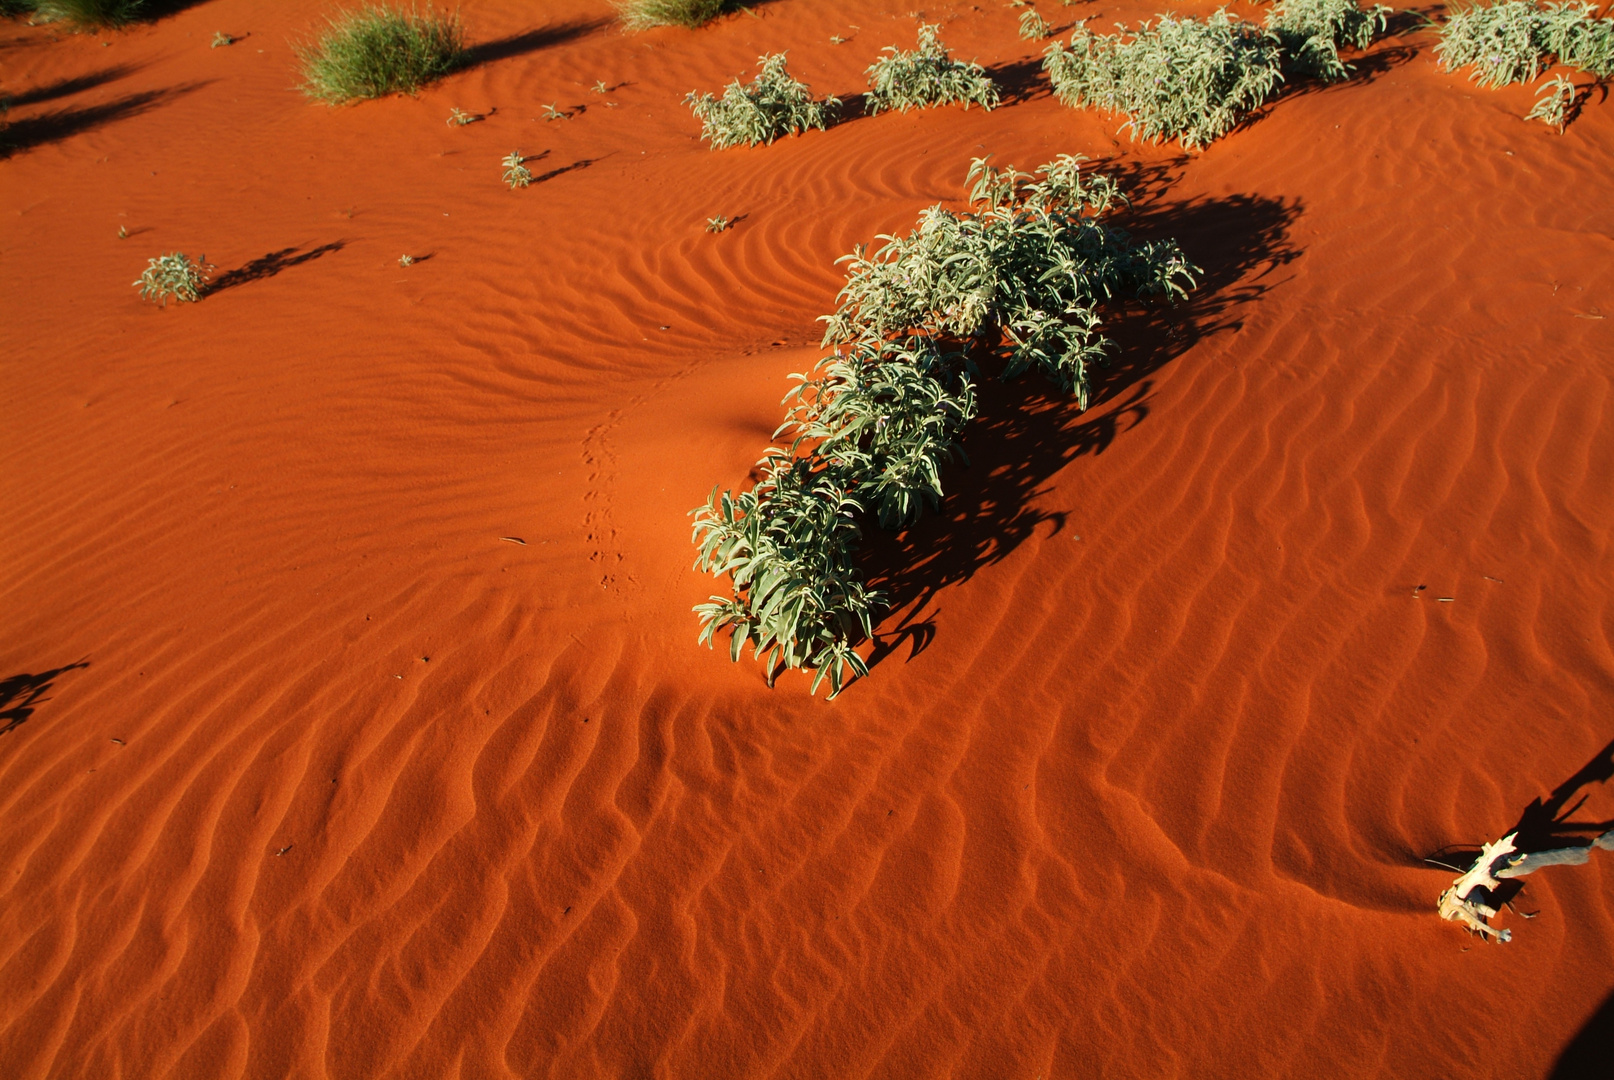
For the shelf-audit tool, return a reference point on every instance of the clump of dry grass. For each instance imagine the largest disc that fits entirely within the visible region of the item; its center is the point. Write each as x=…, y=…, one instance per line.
x=376, y=50
x=643, y=14
x=81, y=12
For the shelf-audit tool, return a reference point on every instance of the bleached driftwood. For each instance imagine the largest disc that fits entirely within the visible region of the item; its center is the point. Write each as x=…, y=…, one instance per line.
x=1468, y=899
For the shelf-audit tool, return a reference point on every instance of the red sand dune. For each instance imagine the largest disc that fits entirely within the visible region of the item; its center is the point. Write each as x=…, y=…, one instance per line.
x=349, y=786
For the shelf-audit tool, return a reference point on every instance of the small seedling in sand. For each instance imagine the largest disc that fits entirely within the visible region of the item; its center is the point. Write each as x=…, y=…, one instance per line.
x=1182, y=79
x=719, y=224
x=643, y=14
x=553, y=113
x=516, y=173
x=926, y=77
x=458, y=117
x=774, y=104
x=174, y=276
x=1512, y=42
x=220, y=39
x=599, y=87
x=376, y=50
x=1553, y=102
x=871, y=428
x=123, y=233
x=406, y=260
x=1313, y=31
x=1033, y=27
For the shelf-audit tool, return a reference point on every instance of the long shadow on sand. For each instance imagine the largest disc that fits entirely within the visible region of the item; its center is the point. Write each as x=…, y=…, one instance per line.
x=21, y=693
x=67, y=87
x=275, y=262
x=1026, y=432
x=59, y=124
x=528, y=41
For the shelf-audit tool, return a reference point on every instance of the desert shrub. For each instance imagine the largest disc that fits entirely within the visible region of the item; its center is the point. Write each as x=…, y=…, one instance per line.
x=927, y=77
x=1554, y=102
x=1313, y=31
x=1033, y=27
x=375, y=50
x=82, y=12
x=516, y=173
x=774, y=104
x=174, y=276
x=1016, y=279
x=1182, y=79
x=643, y=14
x=1514, y=41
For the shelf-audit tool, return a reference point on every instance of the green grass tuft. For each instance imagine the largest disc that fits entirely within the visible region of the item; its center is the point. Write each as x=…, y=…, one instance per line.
x=926, y=77
x=1182, y=79
x=643, y=14
x=774, y=104
x=81, y=12
x=373, y=51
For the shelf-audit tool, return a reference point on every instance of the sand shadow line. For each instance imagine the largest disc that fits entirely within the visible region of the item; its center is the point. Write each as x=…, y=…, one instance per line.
x=66, y=87
x=528, y=41
x=58, y=124
x=275, y=262
x=1027, y=432
x=27, y=691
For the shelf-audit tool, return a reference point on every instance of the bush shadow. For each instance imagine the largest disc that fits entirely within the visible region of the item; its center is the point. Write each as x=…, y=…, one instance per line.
x=271, y=264
x=20, y=694
x=1367, y=66
x=581, y=163
x=529, y=41
x=18, y=136
x=67, y=87
x=1020, y=80
x=1027, y=432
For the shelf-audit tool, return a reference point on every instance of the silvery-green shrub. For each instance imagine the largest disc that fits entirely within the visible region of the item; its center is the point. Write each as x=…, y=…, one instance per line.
x=1191, y=80
x=1018, y=278
x=774, y=104
x=926, y=77
x=1313, y=31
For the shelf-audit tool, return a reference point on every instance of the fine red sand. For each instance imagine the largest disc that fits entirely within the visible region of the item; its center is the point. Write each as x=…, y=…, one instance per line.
x=346, y=784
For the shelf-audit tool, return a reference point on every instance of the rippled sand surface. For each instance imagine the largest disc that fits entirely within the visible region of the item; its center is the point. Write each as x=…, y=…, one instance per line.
x=357, y=726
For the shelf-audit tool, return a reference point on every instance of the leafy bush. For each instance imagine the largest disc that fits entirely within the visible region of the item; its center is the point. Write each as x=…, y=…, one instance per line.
x=1554, y=102
x=1033, y=27
x=643, y=14
x=377, y=50
x=1514, y=41
x=774, y=104
x=516, y=173
x=174, y=276
x=927, y=77
x=1312, y=32
x=1019, y=278
x=82, y=12
x=1177, y=79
